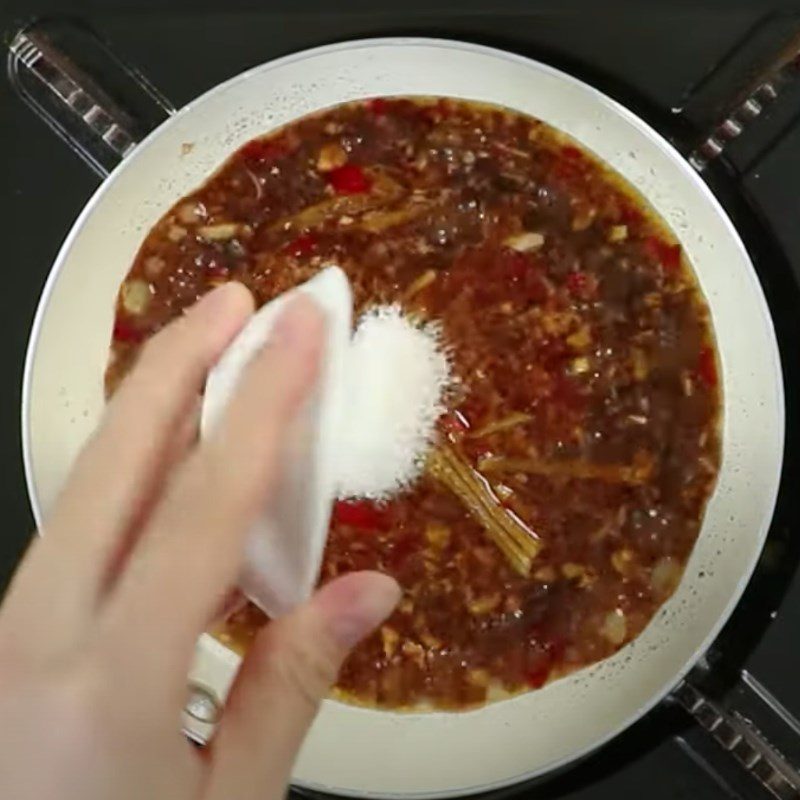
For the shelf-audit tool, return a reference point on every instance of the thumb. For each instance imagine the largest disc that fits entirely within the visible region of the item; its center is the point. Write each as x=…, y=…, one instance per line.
x=285, y=675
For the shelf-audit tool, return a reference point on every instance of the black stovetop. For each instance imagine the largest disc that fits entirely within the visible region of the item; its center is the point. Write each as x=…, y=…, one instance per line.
x=667, y=59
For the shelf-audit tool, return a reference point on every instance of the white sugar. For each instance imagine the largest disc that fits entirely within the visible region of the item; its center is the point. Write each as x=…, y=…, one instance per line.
x=397, y=372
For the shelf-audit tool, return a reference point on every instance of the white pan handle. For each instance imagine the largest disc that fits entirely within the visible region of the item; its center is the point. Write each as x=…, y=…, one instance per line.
x=51, y=64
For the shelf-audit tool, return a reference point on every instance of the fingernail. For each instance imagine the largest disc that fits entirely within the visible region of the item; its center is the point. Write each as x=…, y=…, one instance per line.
x=298, y=324
x=358, y=604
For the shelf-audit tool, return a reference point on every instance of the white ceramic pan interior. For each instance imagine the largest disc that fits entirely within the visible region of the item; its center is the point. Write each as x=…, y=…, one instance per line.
x=364, y=752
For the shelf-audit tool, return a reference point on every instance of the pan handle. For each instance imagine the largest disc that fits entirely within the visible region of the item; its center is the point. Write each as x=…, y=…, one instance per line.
x=741, y=725
x=50, y=64
x=750, y=103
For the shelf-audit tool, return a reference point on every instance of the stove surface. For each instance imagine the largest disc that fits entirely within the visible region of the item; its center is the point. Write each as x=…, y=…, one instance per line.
x=652, y=63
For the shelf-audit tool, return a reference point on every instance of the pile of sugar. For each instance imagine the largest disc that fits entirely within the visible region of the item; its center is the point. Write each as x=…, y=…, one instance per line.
x=397, y=373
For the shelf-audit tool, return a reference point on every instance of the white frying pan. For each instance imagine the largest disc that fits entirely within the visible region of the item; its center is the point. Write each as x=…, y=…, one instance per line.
x=362, y=752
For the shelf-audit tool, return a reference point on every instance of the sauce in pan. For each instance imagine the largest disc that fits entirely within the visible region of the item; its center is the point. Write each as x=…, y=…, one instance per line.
x=588, y=396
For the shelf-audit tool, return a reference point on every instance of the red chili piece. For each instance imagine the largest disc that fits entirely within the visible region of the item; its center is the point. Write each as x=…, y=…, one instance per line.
x=630, y=215
x=454, y=424
x=378, y=105
x=217, y=272
x=566, y=171
x=668, y=255
x=707, y=367
x=523, y=271
x=569, y=166
x=349, y=179
x=537, y=675
x=515, y=265
x=553, y=647
x=361, y=514
x=577, y=283
x=127, y=333
x=402, y=549
x=303, y=245
x=263, y=150
x=572, y=153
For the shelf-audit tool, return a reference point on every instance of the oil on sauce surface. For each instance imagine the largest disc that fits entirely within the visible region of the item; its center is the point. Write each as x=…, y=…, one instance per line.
x=588, y=396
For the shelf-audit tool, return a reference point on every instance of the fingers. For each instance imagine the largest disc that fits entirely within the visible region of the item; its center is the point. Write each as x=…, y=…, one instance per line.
x=286, y=674
x=190, y=552
x=183, y=438
x=126, y=459
x=137, y=432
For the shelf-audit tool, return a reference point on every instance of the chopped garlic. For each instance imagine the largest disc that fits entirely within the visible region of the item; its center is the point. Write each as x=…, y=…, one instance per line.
x=219, y=232
x=176, y=233
x=622, y=560
x=615, y=626
x=524, y=242
x=153, y=266
x=571, y=570
x=331, y=156
x=406, y=606
x=390, y=639
x=583, y=219
x=429, y=640
x=584, y=576
x=579, y=365
x=617, y=233
x=666, y=576
x=415, y=652
x=478, y=677
x=437, y=535
x=502, y=491
x=580, y=339
x=190, y=213
x=546, y=574
x=136, y=296
x=641, y=367
x=484, y=605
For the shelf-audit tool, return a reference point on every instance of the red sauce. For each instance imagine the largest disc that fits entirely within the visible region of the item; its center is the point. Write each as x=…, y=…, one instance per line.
x=583, y=348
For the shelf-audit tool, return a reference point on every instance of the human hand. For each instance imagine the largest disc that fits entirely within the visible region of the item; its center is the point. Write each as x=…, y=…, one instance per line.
x=98, y=629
